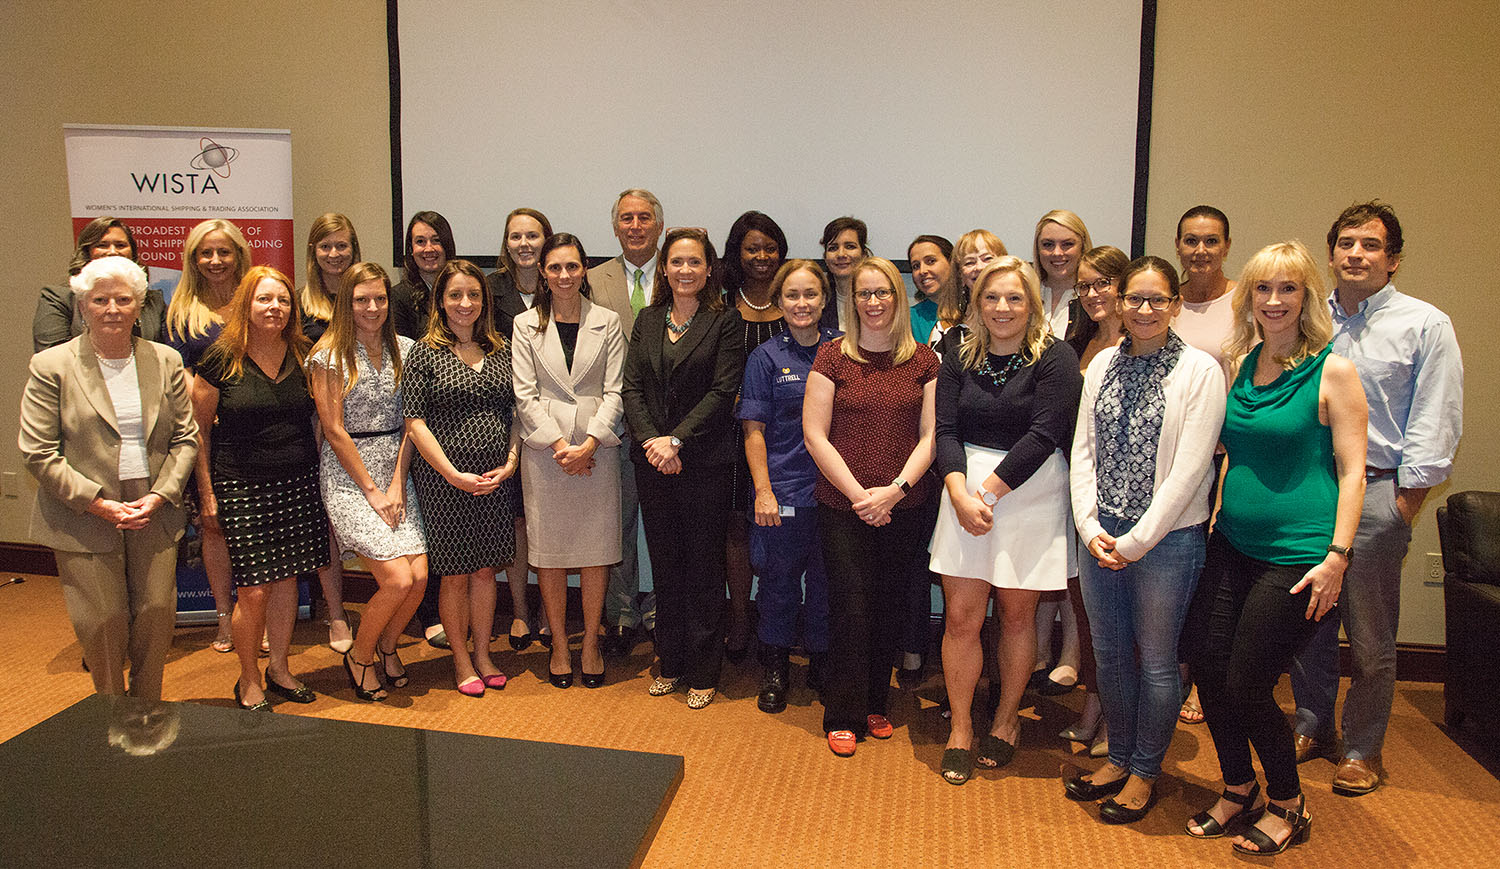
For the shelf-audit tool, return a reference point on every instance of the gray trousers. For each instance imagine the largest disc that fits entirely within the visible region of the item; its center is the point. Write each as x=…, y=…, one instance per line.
x=620, y=605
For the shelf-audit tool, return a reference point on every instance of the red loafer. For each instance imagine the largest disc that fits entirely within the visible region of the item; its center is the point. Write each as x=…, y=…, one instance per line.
x=841, y=742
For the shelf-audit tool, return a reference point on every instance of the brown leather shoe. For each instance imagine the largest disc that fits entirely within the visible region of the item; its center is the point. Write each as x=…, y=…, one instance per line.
x=1309, y=747
x=1357, y=776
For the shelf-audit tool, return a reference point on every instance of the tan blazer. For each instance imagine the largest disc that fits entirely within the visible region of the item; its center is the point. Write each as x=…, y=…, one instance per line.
x=553, y=402
x=71, y=443
x=610, y=288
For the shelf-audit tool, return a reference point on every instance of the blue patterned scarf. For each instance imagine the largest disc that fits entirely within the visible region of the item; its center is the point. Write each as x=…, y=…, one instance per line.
x=1128, y=416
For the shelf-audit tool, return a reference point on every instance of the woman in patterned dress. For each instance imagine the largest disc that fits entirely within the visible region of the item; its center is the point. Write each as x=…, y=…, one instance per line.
x=356, y=370
x=459, y=403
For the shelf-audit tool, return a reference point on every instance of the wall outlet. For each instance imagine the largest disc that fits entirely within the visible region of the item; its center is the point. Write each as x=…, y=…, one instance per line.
x=1434, y=566
x=9, y=485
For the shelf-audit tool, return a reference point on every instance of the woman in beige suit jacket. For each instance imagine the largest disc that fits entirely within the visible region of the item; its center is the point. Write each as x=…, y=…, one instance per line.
x=108, y=432
x=568, y=358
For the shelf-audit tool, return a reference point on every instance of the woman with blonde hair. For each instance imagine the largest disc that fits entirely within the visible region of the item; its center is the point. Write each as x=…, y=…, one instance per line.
x=868, y=422
x=332, y=246
x=355, y=370
x=1005, y=406
x=973, y=251
x=258, y=473
x=1295, y=431
x=215, y=259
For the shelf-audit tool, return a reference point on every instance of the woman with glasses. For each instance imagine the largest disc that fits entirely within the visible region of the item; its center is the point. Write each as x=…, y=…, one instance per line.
x=1099, y=273
x=1295, y=432
x=973, y=251
x=868, y=422
x=1147, y=425
x=682, y=373
x=1006, y=400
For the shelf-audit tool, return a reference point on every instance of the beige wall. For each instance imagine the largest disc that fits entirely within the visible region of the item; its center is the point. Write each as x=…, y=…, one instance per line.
x=1280, y=118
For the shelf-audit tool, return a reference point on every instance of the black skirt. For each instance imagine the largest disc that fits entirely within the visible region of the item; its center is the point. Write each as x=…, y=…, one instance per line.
x=274, y=529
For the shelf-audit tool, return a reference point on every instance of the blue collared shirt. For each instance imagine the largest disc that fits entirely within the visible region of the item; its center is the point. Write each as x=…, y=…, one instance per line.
x=775, y=381
x=1407, y=356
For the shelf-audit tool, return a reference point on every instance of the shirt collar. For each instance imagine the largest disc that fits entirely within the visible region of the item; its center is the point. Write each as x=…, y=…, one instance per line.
x=1379, y=298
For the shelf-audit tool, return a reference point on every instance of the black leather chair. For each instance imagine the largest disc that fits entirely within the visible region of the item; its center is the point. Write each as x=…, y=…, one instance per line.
x=1469, y=530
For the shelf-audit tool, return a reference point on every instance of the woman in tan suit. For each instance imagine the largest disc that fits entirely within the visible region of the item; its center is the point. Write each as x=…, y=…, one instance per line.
x=108, y=432
x=568, y=357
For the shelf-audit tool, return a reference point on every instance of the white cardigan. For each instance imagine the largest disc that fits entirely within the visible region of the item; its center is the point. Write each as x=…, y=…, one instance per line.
x=1194, y=391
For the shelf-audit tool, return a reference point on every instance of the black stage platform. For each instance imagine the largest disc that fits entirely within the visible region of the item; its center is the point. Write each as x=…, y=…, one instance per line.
x=113, y=782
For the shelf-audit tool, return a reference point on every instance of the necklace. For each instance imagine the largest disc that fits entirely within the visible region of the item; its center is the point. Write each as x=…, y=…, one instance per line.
x=676, y=329
x=116, y=364
x=754, y=307
x=1000, y=377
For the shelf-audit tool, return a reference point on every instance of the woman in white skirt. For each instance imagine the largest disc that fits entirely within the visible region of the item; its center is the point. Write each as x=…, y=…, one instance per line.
x=1006, y=403
x=568, y=360
x=355, y=373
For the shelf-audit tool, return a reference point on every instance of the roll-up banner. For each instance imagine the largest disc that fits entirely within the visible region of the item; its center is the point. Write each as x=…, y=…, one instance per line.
x=163, y=181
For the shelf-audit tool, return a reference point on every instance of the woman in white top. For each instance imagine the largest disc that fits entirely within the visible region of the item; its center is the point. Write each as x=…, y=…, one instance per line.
x=568, y=360
x=1142, y=462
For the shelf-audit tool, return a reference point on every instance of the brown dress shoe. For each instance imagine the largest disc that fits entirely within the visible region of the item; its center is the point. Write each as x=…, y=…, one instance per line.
x=1309, y=747
x=1357, y=776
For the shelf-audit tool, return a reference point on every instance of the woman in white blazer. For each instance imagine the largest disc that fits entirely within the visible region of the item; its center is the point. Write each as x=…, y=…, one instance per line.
x=568, y=356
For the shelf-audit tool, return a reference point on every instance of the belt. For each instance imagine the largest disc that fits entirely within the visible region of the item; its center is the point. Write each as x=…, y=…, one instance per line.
x=393, y=431
x=1374, y=473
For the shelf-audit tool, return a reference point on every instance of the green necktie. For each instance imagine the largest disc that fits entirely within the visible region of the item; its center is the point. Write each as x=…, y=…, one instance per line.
x=637, y=294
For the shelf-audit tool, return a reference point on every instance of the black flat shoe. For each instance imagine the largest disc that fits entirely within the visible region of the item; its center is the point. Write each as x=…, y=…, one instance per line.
x=1111, y=812
x=300, y=694
x=957, y=766
x=561, y=680
x=593, y=680
x=1088, y=792
x=262, y=706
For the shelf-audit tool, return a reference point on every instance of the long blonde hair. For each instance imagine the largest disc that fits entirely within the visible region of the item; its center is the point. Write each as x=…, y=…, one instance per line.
x=317, y=300
x=905, y=344
x=1314, y=326
x=976, y=343
x=188, y=316
x=339, y=338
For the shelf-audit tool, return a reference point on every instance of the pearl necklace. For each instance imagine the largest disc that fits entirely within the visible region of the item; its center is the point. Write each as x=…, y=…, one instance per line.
x=116, y=364
x=754, y=307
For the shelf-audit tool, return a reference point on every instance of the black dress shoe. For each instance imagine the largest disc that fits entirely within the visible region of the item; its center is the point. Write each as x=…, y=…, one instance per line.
x=561, y=680
x=593, y=680
x=774, y=682
x=1111, y=812
x=300, y=694
x=616, y=642
x=262, y=706
x=545, y=638
x=520, y=642
x=1088, y=792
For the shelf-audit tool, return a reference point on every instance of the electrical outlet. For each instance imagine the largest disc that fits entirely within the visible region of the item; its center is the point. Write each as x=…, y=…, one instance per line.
x=1434, y=566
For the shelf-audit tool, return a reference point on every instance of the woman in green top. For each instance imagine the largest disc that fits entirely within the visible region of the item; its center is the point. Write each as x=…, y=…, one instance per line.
x=1293, y=485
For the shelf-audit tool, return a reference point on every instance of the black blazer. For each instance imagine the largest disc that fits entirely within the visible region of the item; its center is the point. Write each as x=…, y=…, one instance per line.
x=408, y=309
x=505, y=301
x=693, y=399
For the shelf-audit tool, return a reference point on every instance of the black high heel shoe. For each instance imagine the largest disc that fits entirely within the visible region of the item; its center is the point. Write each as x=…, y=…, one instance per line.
x=1247, y=813
x=593, y=680
x=357, y=682
x=520, y=642
x=560, y=680
x=397, y=680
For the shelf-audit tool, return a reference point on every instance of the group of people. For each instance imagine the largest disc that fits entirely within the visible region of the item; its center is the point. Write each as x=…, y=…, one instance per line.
x=1056, y=437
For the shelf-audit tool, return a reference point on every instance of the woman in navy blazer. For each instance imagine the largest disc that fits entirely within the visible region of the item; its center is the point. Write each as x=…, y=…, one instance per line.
x=682, y=373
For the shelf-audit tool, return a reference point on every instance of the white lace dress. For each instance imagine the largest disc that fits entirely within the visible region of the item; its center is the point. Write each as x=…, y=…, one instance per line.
x=372, y=416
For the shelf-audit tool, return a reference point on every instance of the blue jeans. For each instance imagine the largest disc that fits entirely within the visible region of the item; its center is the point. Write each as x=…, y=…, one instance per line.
x=785, y=557
x=1370, y=610
x=1141, y=609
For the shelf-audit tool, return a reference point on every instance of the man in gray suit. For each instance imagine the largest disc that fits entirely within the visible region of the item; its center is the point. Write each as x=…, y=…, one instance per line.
x=624, y=285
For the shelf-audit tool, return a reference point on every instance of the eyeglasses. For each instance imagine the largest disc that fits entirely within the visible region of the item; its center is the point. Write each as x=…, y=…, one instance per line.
x=1157, y=303
x=1083, y=288
x=867, y=295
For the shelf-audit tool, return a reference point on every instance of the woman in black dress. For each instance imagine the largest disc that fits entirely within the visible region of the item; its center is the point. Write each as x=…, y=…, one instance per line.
x=258, y=473
x=459, y=404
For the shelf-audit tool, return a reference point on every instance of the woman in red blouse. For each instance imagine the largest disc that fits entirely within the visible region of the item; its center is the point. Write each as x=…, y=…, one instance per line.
x=868, y=420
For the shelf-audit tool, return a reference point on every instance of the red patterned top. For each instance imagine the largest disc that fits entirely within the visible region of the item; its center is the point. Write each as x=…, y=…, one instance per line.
x=876, y=419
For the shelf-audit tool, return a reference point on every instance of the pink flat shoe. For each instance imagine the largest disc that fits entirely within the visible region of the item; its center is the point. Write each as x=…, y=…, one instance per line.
x=471, y=687
x=495, y=681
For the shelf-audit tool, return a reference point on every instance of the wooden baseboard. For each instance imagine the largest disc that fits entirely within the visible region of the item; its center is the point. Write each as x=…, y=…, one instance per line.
x=1415, y=662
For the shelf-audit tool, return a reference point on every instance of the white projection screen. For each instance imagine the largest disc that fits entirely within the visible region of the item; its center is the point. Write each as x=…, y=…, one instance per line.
x=933, y=117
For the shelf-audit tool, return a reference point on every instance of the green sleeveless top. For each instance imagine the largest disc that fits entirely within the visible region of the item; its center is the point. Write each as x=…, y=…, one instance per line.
x=1280, y=490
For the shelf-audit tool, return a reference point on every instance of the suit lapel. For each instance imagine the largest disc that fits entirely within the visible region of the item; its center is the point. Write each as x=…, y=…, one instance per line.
x=549, y=350
x=696, y=330
x=148, y=376
x=92, y=382
x=590, y=341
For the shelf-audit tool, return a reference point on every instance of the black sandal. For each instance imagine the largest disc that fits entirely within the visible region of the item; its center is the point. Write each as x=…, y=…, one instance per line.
x=1266, y=846
x=994, y=752
x=397, y=680
x=958, y=765
x=357, y=683
x=1248, y=813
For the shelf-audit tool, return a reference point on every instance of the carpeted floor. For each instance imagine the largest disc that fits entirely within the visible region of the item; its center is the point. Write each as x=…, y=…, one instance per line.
x=763, y=790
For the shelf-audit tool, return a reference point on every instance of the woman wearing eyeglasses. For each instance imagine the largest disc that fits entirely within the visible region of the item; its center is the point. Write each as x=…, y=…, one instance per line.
x=1142, y=463
x=868, y=420
x=682, y=373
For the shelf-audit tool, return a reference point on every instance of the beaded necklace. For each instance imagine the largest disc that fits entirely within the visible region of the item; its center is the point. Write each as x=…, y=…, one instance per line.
x=1000, y=377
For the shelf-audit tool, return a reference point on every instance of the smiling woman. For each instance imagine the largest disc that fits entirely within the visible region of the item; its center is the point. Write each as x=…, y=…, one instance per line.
x=58, y=317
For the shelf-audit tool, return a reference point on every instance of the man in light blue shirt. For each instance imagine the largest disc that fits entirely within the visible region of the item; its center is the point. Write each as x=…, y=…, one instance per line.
x=1408, y=360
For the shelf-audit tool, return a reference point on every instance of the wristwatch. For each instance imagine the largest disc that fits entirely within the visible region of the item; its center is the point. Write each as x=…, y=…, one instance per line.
x=901, y=484
x=989, y=498
x=1346, y=551
x=675, y=441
